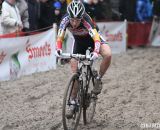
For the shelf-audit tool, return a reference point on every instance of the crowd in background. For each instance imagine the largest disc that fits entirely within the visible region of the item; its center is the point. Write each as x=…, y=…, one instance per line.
x=31, y=15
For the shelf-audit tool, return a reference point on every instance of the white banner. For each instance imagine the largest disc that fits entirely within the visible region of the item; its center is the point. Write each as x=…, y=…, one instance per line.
x=26, y=55
x=154, y=37
x=115, y=35
x=113, y=32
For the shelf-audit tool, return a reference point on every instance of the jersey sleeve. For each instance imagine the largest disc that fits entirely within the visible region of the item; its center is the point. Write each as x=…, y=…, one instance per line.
x=92, y=27
x=61, y=31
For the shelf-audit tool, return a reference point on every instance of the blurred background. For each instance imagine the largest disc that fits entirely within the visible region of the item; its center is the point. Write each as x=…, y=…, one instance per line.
x=43, y=13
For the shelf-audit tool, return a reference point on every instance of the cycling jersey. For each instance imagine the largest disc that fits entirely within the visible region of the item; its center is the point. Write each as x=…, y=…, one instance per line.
x=86, y=32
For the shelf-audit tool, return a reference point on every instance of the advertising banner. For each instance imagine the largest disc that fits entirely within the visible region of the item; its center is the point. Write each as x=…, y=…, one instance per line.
x=154, y=37
x=115, y=35
x=113, y=32
x=26, y=55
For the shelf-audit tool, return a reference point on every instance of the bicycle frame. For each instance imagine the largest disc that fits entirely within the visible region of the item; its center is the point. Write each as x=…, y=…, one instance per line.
x=84, y=69
x=84, y=76
x=85, y=72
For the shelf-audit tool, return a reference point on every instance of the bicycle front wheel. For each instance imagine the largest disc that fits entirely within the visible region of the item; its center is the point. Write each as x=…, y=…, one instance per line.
x=72, y=123
x=89, y=104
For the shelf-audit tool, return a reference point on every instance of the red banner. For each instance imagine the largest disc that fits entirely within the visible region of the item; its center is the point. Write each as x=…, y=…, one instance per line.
x=11, y=35
x=19, y=34
x=138, y=33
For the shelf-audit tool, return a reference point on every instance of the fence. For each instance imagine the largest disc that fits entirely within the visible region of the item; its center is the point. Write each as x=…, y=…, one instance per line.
x=25, y=53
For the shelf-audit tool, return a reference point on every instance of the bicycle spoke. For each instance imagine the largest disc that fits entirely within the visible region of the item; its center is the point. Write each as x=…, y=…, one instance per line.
x=78, y=94
x=71, y=123
x=90, y=104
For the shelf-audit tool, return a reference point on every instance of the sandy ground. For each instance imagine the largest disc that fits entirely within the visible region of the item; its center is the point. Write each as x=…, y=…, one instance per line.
x=130, y=96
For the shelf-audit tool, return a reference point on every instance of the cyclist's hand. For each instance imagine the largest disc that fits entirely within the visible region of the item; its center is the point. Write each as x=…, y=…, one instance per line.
x=94, y=56
x=58, y=52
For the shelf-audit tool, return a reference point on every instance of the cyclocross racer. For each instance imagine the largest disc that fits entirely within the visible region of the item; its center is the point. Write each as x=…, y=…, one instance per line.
x=85, y=33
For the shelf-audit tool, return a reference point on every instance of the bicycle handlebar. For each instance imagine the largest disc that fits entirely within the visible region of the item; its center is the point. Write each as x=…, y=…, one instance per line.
x=77, y=56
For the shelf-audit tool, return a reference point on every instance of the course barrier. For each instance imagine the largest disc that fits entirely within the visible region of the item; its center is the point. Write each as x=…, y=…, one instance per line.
x=27, y=54
x=154, y=37
x=113, y=32
x=138, y=33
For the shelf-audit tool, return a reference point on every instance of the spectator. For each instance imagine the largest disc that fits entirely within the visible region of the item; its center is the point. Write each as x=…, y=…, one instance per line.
x=63, y=6
x=156, y=9
x=115, y=10
x=127, y=9
x=100, y=10
x=46, y=13
x=11, y=19
x=34, y=14
x=104, y=9
x=1, y=1
x=143, y=10
x=23, y=8
x=89, y=8
x=57, y=12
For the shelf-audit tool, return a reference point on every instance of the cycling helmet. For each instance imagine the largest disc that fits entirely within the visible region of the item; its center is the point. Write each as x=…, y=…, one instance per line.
x=76, y=9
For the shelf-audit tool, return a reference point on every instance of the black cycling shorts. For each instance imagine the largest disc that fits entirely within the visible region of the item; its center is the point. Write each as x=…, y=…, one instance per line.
x=81, y=44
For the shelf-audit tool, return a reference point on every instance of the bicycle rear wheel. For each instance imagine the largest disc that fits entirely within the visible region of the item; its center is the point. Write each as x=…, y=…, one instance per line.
x=71, y=123
x=89, y=104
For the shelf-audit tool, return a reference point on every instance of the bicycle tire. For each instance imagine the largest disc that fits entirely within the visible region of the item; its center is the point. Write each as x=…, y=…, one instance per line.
x=74, y=122
x=89, y=104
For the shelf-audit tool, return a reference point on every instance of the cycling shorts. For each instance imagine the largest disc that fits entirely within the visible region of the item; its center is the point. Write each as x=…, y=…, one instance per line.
x=82, y=44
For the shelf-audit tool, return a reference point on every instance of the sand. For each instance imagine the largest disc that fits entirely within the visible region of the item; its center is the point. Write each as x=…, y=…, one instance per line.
x=130, y=97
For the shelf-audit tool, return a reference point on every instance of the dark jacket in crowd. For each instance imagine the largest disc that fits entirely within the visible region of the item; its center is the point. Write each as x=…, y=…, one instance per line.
x=34, y=14
x=103, y=10
x=116, y=15
x=57, y=18
x=156, y=8
x=46, y=14
x=90, y=9
x=1, y=6
x=63, y=6
x=127, y=8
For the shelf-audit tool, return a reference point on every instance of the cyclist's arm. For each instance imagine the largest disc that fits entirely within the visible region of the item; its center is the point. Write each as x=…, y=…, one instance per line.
x=92, y=28
x=60, y=38
x=61, y=32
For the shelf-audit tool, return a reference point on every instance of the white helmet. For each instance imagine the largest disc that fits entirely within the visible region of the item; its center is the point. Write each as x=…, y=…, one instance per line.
x=76, y=9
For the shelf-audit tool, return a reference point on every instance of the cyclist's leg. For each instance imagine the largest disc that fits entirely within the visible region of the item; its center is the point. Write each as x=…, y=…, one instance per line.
x=72, y=99
x=80, y=47
x=74, y=65
x=105, y=52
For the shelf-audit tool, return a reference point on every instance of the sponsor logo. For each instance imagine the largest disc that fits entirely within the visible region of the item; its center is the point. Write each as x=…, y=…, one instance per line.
x=87, y=25
x=2, y=56
x=114, y=37
x=60, y=32
x=64, y=22
x=15, y=66
x=91, y=32
x=78, y=31
x=38, y=52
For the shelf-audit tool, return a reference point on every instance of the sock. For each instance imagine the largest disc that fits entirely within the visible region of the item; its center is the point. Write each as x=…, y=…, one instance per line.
x=99, y=76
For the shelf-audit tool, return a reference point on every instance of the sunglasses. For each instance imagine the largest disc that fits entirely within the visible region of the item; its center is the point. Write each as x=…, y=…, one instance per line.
x=75, y=19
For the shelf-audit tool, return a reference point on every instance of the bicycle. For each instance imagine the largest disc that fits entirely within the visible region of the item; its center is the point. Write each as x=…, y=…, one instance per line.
x=85, y=99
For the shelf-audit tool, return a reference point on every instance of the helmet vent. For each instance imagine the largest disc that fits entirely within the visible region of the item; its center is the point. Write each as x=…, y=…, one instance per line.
x=76, y=9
